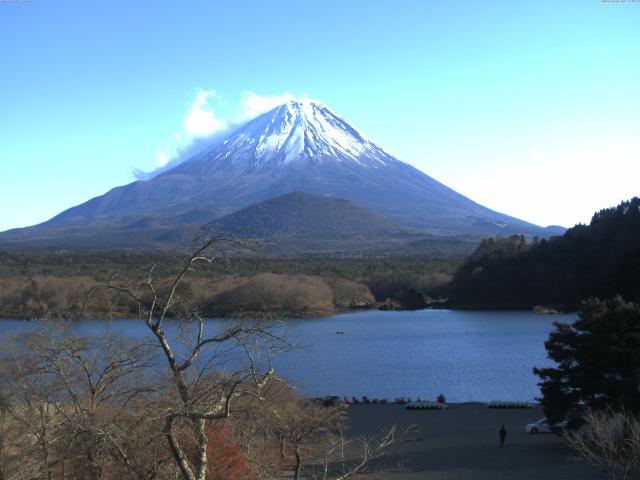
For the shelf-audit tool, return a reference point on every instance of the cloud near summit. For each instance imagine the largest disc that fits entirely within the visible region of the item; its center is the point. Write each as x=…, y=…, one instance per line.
x=209, y=116
x=201, y=120
x=254, y=104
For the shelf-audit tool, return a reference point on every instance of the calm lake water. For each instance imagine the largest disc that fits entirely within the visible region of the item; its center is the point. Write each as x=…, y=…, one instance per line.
x=465, y=355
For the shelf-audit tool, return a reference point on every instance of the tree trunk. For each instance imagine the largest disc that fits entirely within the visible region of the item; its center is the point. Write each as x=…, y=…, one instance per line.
x=298, y=463
x=201, y=437
x=45, y=455
x=178, y=455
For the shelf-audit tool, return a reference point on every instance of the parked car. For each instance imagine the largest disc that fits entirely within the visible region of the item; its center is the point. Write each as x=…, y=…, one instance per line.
x=544, y=425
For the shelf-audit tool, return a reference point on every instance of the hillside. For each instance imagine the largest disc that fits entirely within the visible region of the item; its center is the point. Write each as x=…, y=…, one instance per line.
x=292, y=225
x=301, y=214
x=601, y=259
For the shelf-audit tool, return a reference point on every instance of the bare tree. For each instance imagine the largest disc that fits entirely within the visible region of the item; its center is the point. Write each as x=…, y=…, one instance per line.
x=307, y=426
x=5, y=436
x=609, y=440
x=34, y=396
x=361, y=450
x=206, y=386
x=73, y=403
x=314, y=433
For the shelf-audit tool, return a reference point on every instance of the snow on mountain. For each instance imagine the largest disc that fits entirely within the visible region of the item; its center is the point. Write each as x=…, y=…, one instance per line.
x=300, y=146
x=297, y=131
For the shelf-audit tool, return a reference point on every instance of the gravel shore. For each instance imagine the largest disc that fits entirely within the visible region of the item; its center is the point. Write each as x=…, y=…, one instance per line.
x=462, y=443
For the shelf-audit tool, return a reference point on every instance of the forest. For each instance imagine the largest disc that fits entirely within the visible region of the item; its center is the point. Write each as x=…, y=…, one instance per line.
x=601, y=259
x=54, y=284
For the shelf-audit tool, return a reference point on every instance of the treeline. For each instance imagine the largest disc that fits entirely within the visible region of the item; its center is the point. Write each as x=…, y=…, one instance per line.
x=102, y=265
x=55, y=284
x=264, y=294
x=598, y=260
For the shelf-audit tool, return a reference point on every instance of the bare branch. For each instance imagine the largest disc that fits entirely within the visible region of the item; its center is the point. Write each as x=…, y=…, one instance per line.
x=609, y=440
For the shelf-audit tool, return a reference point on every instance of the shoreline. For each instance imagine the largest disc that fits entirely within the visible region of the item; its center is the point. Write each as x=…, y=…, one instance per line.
x=278, y=315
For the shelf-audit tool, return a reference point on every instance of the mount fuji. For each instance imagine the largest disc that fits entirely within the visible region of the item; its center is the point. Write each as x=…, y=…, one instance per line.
x=300, y=146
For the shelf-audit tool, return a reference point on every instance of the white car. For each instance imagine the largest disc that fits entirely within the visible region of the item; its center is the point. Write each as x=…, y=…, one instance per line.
x=544, y=425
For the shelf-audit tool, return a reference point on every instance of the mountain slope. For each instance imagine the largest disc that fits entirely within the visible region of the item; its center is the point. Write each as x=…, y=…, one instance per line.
x=301, y=214
x=306, y=147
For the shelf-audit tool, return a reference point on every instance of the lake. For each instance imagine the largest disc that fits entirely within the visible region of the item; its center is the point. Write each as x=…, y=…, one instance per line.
x=465, y=355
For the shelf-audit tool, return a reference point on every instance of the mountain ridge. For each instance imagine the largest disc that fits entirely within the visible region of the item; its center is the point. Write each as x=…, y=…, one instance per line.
x=296, y=147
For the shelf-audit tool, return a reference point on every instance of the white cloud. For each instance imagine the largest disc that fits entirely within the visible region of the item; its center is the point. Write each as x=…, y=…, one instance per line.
x=254, y=104
x=208, y=117
x=201, y=120
x=163, y=158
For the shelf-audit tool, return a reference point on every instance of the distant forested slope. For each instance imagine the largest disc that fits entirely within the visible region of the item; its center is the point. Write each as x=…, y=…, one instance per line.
x=601, y=259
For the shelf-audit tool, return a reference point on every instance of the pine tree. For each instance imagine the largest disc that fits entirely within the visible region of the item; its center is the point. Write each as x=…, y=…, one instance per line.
x=598, y=361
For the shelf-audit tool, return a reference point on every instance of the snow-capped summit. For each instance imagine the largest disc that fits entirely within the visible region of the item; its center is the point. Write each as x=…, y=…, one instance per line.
x=297, y=131
x=300, y=146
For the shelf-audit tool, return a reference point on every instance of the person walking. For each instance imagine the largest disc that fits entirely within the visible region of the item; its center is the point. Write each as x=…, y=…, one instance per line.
x=503, y=436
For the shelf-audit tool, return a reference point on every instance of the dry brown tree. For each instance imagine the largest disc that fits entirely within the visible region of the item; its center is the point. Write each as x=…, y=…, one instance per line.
x=609, y=440
x=306, y=425
x=73, y=409
x=348, y=458
x=311, y=436
x=208, y=371
x=8, y=459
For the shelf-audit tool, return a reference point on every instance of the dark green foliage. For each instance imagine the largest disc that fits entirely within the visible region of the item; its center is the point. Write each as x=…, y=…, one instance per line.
x=305, y=215
x=602, y=259
x=598, y=360
x=102, y=265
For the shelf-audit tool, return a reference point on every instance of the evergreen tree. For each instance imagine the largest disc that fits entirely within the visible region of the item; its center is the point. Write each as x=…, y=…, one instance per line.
x=601, y=259
x=598, y=361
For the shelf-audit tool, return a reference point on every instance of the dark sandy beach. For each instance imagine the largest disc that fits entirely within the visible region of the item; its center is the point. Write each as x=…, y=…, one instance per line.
x=462, y=443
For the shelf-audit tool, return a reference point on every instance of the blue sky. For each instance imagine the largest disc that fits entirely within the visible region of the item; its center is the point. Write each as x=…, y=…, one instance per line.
x=530, y=108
